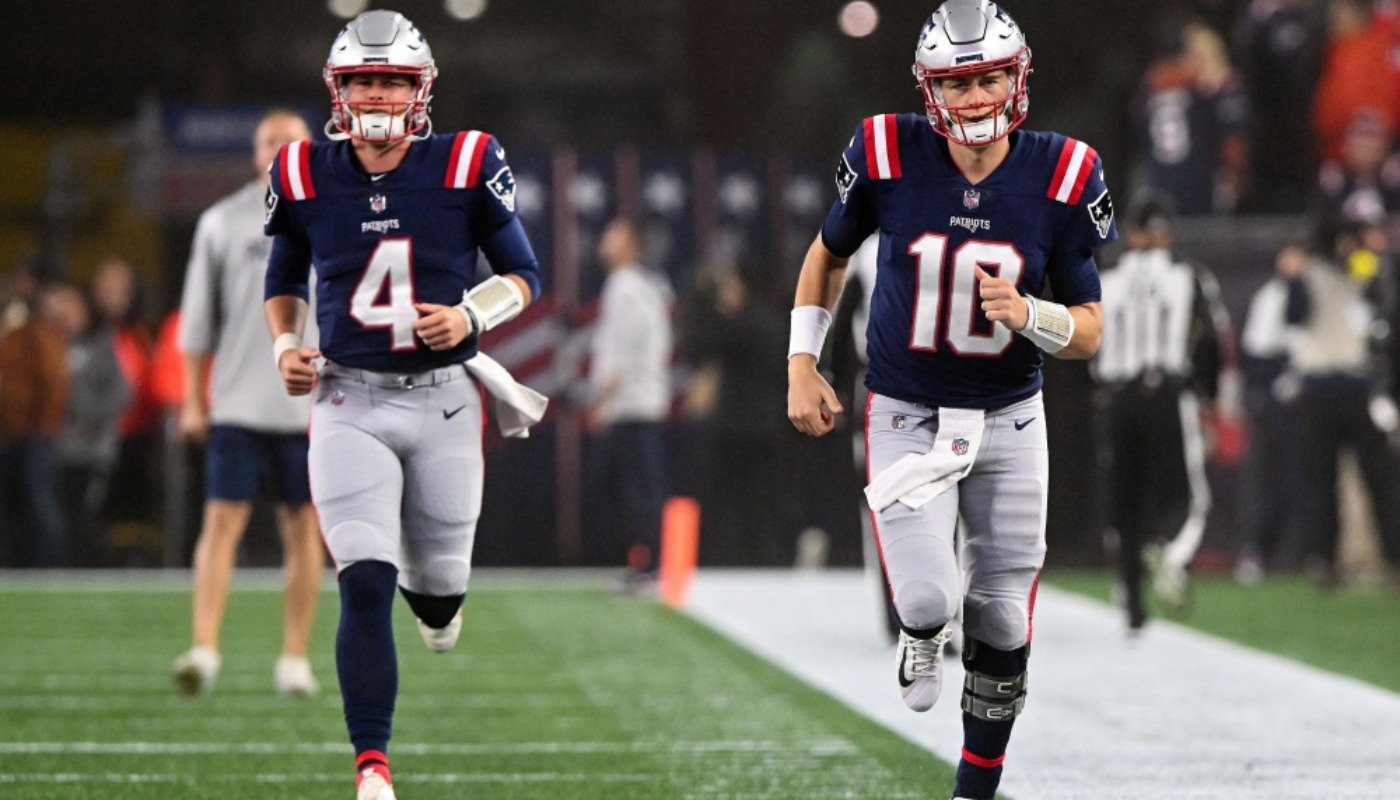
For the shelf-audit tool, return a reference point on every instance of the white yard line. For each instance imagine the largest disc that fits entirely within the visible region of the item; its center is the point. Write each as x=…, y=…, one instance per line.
x=1177, y=715
x=816, y=747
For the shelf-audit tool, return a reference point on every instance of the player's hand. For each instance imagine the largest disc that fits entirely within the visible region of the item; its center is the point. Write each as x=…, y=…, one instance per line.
x=298, y=373
x=194, y=422
x=812, y=404
x=1001, y=302
x=441, y=327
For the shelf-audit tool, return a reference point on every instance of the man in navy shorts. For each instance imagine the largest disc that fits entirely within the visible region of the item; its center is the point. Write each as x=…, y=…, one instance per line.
x=256, y=433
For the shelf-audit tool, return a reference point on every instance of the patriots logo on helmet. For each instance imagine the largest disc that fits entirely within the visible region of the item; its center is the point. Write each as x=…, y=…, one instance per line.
x=503, y=186
x=1101, y=212
x=971, y=199
x=378, y=202
x=845, y=178
x=960, y=446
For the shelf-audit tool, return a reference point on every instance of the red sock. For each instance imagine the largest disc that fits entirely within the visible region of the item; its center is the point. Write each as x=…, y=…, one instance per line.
x=371, y=761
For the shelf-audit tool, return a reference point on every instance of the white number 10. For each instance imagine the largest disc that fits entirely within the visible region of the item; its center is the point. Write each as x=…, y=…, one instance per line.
x=961, y=303
x=392, y=263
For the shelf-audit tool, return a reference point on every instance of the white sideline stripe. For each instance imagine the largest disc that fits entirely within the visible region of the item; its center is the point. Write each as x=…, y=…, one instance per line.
x=302, y=777
x=818, y=747
x=1174, y=715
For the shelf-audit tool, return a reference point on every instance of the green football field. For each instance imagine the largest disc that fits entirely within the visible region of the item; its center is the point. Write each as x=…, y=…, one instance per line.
x=564, y=693
x=557, y=690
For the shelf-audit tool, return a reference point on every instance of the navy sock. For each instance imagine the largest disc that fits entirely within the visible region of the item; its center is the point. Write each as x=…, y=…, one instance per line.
x=435, y=612
x=984, y=742
x=365, y=659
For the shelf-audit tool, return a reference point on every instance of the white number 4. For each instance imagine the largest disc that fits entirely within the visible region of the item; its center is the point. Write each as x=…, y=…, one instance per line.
x=995, y=258
x=391, y=264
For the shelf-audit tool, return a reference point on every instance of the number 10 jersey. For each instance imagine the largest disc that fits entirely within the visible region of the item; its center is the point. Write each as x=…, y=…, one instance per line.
x=1035, y=220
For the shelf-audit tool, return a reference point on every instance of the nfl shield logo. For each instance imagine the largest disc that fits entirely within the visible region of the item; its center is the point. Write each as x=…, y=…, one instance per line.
x=378, y=203
x=337, y=397
x=960, y=447
x=971, y=199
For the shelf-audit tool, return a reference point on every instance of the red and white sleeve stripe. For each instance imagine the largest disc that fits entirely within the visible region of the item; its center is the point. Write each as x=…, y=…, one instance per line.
x=464, y=167
x=294, y=167
x=882, y=147
x=1072, y=172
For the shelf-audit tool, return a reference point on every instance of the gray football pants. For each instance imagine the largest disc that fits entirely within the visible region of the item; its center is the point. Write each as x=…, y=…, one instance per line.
x=1002, y=504
x=396, y=473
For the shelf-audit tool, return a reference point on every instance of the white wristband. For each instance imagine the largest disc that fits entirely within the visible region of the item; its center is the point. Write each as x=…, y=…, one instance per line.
x=1050, y=326
x=493, y=301
x=283, y=343
x=809, y=327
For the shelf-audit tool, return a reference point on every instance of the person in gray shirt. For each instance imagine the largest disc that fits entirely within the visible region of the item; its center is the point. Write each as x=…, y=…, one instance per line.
x=255, y=433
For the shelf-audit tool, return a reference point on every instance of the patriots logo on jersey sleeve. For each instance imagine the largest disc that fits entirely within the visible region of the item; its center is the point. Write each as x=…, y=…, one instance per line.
x=1101, y=212
x=845, y=178
x=502, y=185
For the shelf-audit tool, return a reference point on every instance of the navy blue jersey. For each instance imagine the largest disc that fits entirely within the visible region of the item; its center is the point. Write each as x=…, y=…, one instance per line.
x=382, y=243
x=1034, y=221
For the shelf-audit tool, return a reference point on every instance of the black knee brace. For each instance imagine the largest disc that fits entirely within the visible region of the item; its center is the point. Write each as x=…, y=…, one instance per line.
x=994, y=686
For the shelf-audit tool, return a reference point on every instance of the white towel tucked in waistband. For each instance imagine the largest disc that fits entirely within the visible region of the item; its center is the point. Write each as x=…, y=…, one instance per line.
x=517, y=406
x=915, y=480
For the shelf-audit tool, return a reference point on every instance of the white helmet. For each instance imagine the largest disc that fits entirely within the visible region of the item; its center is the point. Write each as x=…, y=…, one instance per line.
x=965, y=37
x=379, y=43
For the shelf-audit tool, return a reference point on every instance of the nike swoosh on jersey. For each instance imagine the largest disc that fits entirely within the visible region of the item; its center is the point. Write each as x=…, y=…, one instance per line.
x=450, y=414
x=1022, y=423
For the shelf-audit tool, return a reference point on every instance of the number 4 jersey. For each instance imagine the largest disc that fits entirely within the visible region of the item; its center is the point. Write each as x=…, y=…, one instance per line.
x=1035, y=219
x=381, y=243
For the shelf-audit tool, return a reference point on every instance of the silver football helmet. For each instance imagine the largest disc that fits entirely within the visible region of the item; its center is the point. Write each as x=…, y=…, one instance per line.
x=380, y=42
x=965, y=37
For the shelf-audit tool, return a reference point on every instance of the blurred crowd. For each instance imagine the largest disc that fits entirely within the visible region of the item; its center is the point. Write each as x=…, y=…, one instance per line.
x=1279, y=106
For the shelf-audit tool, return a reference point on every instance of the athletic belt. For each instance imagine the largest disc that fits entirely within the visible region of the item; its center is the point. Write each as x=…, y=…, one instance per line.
x=396, y=380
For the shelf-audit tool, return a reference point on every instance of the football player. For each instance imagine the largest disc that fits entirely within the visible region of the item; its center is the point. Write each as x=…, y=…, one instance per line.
x=393, y=216
x=976, y=218
x=254, y=433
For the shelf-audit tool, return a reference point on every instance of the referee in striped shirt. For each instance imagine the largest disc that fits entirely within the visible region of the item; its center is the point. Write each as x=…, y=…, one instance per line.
x=1163, y=337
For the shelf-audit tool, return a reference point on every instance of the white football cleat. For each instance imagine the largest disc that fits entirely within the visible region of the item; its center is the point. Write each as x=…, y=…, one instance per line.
x=294, y=678
x=373, y=786
x=920, y=668
x=196, y=670
x=440, y=640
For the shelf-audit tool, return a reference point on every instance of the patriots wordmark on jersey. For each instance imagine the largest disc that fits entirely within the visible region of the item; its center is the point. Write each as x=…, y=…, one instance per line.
x=1034, y=221
x=381, y=243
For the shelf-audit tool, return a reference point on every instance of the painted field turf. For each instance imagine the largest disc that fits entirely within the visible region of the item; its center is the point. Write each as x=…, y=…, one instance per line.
x=569, y=693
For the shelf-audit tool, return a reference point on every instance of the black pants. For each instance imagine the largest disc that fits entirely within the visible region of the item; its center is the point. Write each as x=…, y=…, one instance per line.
x=629, y=474
x=1154, y=473
x=1335, y=414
